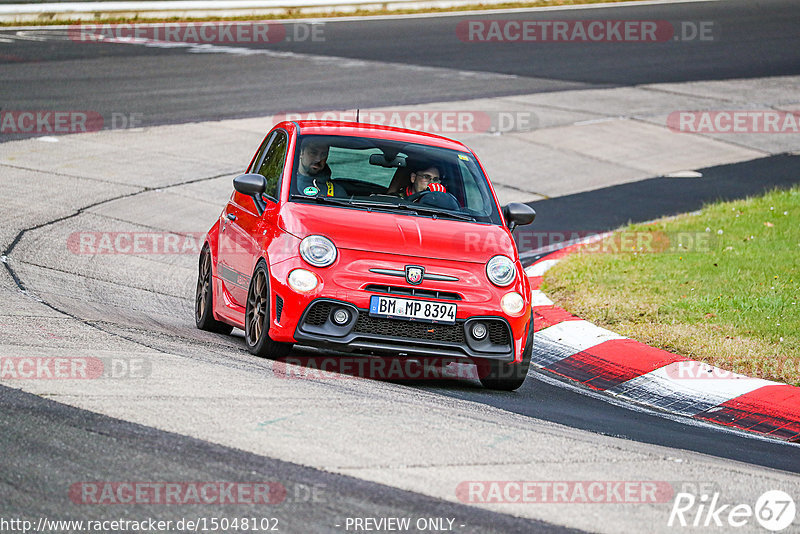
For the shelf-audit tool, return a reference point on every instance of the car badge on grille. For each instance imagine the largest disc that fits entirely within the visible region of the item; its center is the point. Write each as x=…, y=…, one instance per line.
x=414, y=274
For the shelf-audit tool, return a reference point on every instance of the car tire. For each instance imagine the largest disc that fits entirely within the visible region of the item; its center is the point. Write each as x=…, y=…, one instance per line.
x=257, y=317
x=204, y=298
x=507, y=376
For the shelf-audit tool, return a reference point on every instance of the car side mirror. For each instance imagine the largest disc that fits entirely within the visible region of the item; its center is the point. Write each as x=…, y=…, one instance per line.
x=252, y=185
x=518, y=214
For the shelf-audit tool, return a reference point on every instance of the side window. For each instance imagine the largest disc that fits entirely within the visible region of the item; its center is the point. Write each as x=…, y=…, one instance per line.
x=271, y=167
x=475, y=200
x=260, y=154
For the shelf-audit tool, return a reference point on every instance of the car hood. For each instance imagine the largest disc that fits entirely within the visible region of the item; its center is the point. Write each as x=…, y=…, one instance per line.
x=409, y=235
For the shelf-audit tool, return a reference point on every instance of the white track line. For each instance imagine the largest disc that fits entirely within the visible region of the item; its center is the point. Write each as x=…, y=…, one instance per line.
x=664, y=389
x=566, y=339
x=541, y=267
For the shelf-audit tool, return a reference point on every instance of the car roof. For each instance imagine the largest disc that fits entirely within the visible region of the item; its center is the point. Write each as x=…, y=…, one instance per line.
x=379, y=131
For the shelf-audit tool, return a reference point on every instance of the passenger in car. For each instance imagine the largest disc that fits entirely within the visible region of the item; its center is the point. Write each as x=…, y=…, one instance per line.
x=314, y=174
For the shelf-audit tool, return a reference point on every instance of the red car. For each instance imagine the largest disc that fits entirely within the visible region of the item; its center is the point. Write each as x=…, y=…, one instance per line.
x=363, y=238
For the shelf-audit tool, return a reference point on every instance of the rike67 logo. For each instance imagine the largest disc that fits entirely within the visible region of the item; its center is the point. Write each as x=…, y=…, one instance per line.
x=774, y=510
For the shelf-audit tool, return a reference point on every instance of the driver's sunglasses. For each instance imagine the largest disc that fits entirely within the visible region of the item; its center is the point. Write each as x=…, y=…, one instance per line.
x=428, y=178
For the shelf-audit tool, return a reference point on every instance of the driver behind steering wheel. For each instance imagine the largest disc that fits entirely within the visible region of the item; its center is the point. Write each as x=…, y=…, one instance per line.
x=429, y=178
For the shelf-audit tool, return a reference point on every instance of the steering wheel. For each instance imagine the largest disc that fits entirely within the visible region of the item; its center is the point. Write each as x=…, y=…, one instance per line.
x=418, y=195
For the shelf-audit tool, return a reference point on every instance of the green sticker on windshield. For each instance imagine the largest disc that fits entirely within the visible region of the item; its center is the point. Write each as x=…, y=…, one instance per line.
x=310, y=191
x=463, y=157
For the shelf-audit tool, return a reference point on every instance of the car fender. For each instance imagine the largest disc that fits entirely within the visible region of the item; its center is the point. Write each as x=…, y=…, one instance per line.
x=279, y=247
x=212, y=240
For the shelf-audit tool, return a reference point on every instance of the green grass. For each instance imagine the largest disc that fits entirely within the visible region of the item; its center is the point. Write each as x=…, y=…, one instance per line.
x=720, y=286
x=295, y=13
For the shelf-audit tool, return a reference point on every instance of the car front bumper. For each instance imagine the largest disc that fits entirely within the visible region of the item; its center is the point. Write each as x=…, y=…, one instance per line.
x=307, y=318
x=364, y=333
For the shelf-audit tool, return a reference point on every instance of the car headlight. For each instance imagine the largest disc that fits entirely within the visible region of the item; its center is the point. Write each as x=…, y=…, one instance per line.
x=302, y=280
x=317, y=250
x=512, y=303
x=501, y=271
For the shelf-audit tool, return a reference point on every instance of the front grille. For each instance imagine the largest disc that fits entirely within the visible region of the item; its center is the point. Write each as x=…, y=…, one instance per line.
x=278, y=308
x=413, y=292
x=318, y=314
x=498, y=333
x=453, y=333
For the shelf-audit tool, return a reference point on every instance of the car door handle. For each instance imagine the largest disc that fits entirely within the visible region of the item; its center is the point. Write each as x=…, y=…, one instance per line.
x=231, y=217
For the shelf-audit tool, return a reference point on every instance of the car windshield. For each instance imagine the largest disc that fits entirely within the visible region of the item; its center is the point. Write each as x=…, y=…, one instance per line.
x=381, y=175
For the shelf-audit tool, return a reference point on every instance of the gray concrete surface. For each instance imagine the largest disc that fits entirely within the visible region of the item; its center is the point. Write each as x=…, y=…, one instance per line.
x=592, y=138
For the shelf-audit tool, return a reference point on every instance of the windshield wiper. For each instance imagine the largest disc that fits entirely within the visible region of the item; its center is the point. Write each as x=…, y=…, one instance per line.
x=374, y=206
x=331, y=200
x=383, y=206
x=418, y=209
x=346, y=202
x=428, y=210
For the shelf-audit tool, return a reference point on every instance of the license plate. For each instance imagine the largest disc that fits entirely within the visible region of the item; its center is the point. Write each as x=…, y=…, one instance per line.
x=412, y=310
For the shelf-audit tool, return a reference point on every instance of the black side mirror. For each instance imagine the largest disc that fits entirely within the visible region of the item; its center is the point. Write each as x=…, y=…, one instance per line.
x=252, y=185
x=518, y=214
